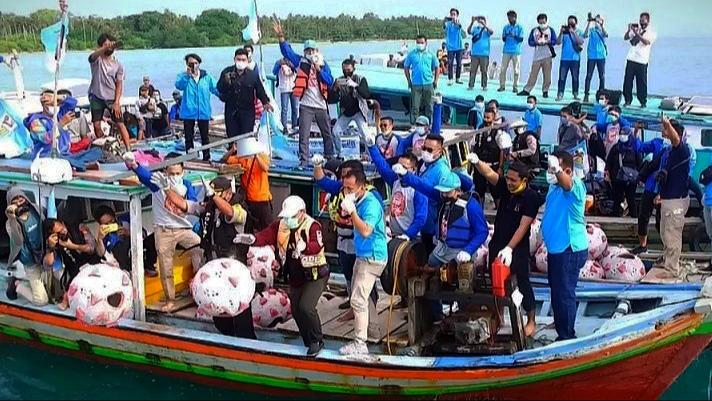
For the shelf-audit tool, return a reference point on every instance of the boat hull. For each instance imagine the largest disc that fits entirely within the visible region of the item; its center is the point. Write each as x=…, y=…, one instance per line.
x=641, y=368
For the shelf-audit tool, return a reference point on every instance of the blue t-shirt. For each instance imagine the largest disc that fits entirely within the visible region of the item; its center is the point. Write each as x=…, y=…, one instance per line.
x=568, y=52
x=596, y=44
x=33, y=230
x=453, y=36
x=678, y=168
x=707, y=199
x=533, y=119
x=421, y=65
x=370, y=210
x=564, y=224
x=513, y=37
x=480, y=47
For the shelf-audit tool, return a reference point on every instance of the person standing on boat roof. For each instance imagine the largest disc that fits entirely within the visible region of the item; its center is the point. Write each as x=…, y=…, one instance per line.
x=416, y=139
x=453, y=38
x=24, y=229
x=286, y=75
x=641, y=37
x=525, y=147
x=422, y=73
x=371, y=248
x=518, y=208
x=386, y=141
x=542, y=39
x=533, y=116
x=564, y=230
x=481, y=34
x=571, y=40
x=351, y=92
x=197, y=85
x=597, y=53
x=312, y=88
x=107, y=86
x=674, y=198
x=300, y=250
x=512, y=36
x=488, y=146
x=173, y=197
x=239, y=86
x=623, y=159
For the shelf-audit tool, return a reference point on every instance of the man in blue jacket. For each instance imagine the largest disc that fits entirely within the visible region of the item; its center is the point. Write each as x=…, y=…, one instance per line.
x=197, y=85
x=542, y=39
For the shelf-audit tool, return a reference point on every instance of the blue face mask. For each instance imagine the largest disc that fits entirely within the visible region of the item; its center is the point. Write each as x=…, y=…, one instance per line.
x=292, y=222
x=611, y=119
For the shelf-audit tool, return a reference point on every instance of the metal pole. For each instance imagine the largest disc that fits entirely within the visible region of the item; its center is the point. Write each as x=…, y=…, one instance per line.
x=137, y=267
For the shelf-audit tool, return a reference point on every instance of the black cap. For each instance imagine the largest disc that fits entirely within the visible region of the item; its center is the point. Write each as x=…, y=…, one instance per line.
x=221, y=183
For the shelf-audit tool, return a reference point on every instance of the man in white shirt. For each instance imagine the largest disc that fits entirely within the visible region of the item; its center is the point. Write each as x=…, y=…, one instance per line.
x=641, y=37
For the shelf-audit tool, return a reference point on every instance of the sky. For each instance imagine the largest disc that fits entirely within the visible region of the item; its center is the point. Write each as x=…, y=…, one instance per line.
x=681, y=18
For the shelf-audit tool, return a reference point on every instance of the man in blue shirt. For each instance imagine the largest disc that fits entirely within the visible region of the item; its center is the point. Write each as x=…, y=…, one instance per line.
x=564, y=230
x=570, y=39
x=512, y=36
x=481, y=34
x=453, y=39
x=371, y=254
x=597, y=53
x=422, y=73
x=533, y=116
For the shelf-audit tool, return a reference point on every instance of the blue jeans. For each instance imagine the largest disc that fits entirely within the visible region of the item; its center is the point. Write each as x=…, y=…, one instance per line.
x=347, y=261
x=600, y=65
x=455, y=56
x=563, y=272
x=288, y=99
x=564, y=68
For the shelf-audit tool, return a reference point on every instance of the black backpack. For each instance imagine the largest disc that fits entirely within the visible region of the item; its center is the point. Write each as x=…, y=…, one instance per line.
x=706, y=176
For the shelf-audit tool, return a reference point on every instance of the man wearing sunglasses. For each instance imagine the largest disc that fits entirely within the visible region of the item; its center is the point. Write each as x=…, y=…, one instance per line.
x=387, y=142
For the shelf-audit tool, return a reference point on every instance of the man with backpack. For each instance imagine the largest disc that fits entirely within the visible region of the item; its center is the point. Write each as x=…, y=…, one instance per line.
x=542, y=39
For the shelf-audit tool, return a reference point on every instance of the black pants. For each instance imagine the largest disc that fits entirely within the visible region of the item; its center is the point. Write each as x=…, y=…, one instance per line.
x=623, y=190
x=520, y=268
x=236, y=326
x=260, y=215
x=693, y=186
x=304, y=300
x=238, y=122
x=639, y=72
x=429, y=242
x=189, y=127
x=646, y=211
x=599, y=65
x=122, y=253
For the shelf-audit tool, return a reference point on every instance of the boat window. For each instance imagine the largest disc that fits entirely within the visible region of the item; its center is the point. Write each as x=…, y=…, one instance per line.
x=644, y=305
x=601, y=309
x=706, y=137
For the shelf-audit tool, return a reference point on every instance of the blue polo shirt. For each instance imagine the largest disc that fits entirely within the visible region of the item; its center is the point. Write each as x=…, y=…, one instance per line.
x=481, y=47
x=568, y=53
x=596, y=44
x=707, y=199
x=370, y=210
x=453, y=36
x=533, y=119
x=678, y=172
x=564, y=224
x=421, y=65
x=512, y=45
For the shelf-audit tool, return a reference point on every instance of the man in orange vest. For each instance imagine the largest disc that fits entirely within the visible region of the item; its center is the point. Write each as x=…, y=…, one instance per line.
x=312, y=88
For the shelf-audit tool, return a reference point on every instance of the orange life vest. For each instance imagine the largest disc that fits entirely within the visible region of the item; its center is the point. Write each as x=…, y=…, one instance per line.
x=302, y=81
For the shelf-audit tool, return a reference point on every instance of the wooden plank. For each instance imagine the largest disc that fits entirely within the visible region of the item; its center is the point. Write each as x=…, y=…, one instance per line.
x=345, y=329
x=179, y=304
x=326, y=308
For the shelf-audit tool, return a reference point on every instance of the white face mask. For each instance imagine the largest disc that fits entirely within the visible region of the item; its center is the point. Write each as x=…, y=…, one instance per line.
x=601, y=102
x=480, y=105
x=176, y=180
x=240, y=65
x=531, y=106
x=427, y=157
x=420, y=130
x=420, y=46
x=551, y=178
x=351, y=197
x=667, y=142
x=623, y=138
x=543, y=26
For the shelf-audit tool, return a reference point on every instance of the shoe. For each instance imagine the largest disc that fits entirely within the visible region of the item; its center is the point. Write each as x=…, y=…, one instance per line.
x=11, y=291
x=345, y=305
x=639, y=249
x=470, y=88
x=501, y=90
x=515, y=90
x=314, y=348
x=626, y=104
x=484, y=89
x=449, y=82
x=150, y=273
x=302, y=165
x=354, y=348
x=643, y=105
x=457, y=81
x=559, y=98
x=545, y=95
x=585, y=99
x=523, y=93
x=576, y=98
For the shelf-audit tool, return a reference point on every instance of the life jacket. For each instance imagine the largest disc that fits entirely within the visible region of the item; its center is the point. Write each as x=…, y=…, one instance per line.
x=454, y=222
x=387, y=145
x=520, y=143
x=309, y=262
x=217, y=230
x=302, y=81
x=485, y=145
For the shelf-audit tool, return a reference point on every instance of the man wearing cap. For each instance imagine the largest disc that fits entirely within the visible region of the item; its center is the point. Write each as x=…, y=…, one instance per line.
x=352, y=94
x=300, y=250
x=312, y=88
x=416, y=139
x=525, y=146
x=421, y=68
x=147, y=83
x=487, y=146
x=222, y=217
x=366, y=213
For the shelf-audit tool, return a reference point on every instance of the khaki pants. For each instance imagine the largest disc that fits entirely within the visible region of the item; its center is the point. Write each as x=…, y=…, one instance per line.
x=506, y=58
x=33, y=287
x=545, y=66
x=481, y=64
x=366, y=272
x=166, y=241
x=672, y=213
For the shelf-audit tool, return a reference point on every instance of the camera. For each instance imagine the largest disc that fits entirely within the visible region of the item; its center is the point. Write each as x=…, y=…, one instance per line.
x=592, y=18
x=635, y=25
x=22, y=209
x=565, y=28
x=63, y=236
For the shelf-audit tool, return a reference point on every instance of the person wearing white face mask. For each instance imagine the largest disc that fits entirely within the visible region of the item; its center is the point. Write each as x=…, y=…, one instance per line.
x=622, y=165
x=487, y=146
x=533, y=116
x=173, y=197
x=421, y=68
x=300, y=251
x=416, y=139
x=238, y=87
x=475, y=117
x=563, y=227
x=542, y=39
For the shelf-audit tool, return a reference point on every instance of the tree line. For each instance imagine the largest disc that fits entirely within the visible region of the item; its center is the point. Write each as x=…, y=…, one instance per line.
x=213, y=27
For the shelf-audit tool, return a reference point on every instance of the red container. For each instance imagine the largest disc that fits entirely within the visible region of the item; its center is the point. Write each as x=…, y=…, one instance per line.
x=500, y=274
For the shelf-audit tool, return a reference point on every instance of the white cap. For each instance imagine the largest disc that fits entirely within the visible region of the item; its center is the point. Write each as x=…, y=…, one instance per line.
x=518, y=124
x=291, y=206
x=504, y=141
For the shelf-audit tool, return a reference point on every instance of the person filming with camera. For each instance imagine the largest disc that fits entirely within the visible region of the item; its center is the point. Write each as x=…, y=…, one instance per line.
x=571, y=39
x=641, y=37
x=597, y=53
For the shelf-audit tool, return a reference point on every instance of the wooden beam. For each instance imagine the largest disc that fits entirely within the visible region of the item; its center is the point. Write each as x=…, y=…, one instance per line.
x=137, y=267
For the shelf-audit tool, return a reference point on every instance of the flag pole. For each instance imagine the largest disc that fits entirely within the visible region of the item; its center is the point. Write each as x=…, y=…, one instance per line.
x=54, y=153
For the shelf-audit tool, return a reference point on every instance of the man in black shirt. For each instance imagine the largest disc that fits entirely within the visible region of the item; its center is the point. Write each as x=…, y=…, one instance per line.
x=518, y=207
x=160, y=123
x=351, y=92
x=238, y=87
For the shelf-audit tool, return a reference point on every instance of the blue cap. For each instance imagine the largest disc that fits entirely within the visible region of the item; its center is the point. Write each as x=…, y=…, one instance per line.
x=448, y=182
x=310, y=44
x=422, y=120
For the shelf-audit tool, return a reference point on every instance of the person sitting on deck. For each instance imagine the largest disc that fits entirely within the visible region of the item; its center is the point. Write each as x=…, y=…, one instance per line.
x=518, y=208
x=174, y=113
x=24, y=230
x=366, y=212
x=416, y=138
x=173, y=197
x=615, y=125
x=41, y=124
x=300, y=250
x=113, y=241
x=353, y=96
x=385, y=140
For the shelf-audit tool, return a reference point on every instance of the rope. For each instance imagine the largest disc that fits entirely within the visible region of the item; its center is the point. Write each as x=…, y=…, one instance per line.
x=396, y=262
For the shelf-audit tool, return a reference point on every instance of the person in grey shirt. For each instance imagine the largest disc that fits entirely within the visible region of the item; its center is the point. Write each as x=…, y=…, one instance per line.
x=570, y=132
x=107, y=85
